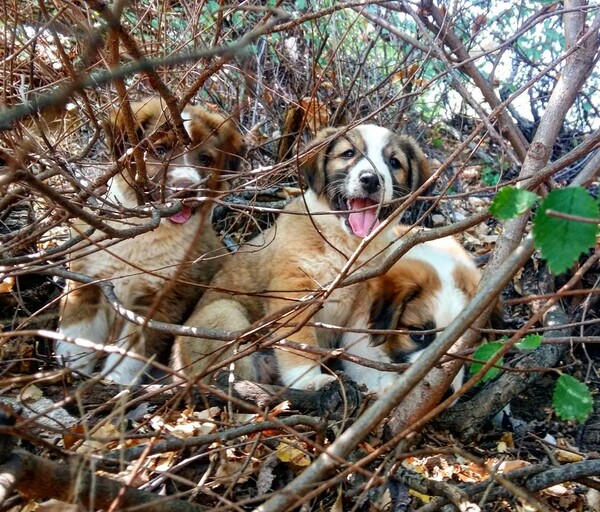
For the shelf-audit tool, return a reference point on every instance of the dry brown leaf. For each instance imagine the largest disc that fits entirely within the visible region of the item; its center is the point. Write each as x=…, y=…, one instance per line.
x=510, y=465
x=288, y=453
x=7, y=284
x=194, y=423
x=255, y=137
x=338, y=506
x=31, y=394
x=280, y=409
x=567, y=456
x=72, y=435
x=104, y=438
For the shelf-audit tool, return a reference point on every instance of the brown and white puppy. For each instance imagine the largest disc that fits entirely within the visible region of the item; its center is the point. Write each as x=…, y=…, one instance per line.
x=353, y=177
x=141, y=269
x=422, y=293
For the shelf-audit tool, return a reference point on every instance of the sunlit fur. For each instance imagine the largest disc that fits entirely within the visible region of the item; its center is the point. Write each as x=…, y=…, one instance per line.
x=142, y=269
x=422, y=293
x=304, y=251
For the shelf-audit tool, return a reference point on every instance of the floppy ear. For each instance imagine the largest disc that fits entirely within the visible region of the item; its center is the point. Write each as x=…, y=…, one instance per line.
x=147, y=115
x=235, y=146
x=227, y=138
x=312, y=165
x=383, y=316
x=391, y=299
x=419, y=168
x=385, y=311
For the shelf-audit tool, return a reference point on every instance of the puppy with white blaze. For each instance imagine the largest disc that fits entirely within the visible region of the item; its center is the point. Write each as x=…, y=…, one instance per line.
x=280, y=280
x=142, y=270
x=420, y=295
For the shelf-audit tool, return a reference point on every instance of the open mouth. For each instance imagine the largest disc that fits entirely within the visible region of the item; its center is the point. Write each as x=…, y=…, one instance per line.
x=186, y=212
x=182, y=216
x=364, y=221
x=362, y=215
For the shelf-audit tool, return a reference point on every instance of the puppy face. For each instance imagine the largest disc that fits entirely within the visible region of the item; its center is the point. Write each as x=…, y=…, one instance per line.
x=415, y=297
x=360, y=171
x=174, y=170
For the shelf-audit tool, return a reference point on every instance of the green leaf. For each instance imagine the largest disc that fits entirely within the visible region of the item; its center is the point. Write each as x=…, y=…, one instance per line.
x=529, y=342
x=572, y=399
x=489, y=177
x=561, y=241
x=510, y=202
x=484, y=353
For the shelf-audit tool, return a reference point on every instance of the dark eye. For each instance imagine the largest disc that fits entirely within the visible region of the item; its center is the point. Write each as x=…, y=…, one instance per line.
x=204, y=160
x=421, y=338
x=160, y=151
x=394, y=163
x=348, y=153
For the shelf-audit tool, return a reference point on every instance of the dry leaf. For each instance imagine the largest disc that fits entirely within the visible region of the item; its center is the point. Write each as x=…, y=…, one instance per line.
x=255, y=137
x=279, y=409
x=7, y=284
x=511, y=465
x=56, y=506
x=287, y=453
x=72, y=435
x=556, y=490
x=104, y=438
x=31, y=394
x=338, y=506
x=568, y=456
x=423, y=497
x=31, y=506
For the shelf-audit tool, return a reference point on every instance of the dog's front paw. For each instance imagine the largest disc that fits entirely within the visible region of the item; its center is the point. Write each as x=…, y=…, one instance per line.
x=125, y=371
x=313, y=382
x=74, y=357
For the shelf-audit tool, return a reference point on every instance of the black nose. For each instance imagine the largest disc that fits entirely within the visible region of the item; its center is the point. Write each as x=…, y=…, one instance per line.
x=369, y=182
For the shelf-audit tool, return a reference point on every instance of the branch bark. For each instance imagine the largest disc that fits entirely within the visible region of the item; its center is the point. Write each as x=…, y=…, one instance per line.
x=35, y=477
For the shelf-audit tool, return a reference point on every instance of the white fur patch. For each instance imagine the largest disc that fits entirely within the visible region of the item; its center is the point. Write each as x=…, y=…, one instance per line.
x=357, y=344
x=73, y=356
x=123, y=370
x=305, y=376
x=376, y=139
x=184, y=173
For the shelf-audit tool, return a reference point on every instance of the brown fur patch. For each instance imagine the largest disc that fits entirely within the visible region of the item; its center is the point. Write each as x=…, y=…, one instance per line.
x=143, y=269
x=266, y=286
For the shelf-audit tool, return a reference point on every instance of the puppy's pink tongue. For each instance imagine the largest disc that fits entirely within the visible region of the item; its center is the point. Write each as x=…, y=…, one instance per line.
x=362, y=223
x=182, y=216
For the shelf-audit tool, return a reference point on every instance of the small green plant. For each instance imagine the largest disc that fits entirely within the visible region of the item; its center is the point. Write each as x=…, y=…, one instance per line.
x=565, y=226
x=529, y=342
x=483, y=354
x=489, y=177
x=571, y=400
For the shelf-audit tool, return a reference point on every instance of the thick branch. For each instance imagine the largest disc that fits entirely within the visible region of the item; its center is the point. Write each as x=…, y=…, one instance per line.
x=73, y=482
